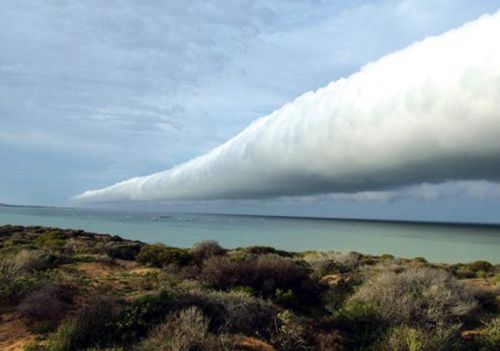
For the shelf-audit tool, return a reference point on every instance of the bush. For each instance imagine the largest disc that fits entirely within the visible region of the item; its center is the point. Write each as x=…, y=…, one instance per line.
x=480, y=266
x=51, y=239
x=406, y=338
x=265, y=250
x=347, y=260
x=183, y=331
x=206, y=249
x=33, y=346
x=47, y=302
x=461, y=271
x=29, y=261
x=420, y=260
x=341, y=287
x=8, y=230
x=265, y=275
x=123, y=251
x=234, y=312
x=140, y=315
x=477, y=269
x=331, y=267
x=292, y=334
x=91, y=326
x=14, y=285
x=420, y=296
x=361, y=324
x=160, y=255
x=190, y=272
x=104, y=322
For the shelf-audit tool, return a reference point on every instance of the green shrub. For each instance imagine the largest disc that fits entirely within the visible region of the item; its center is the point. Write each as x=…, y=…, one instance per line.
x=480, y=266
x=52, y=239
x=103, y=323
x=30, y=261
x=477, y=269
x=69, y=336
x=160, y=255
x=461, y=271
x=420, y=260
x=140, y=315
x=14, y=285
x=33, y=346
x=293, y=334
x=233, y=312
x=265, y=250
x=361, y=324
x=403, y=338
x=409, y=338
x=264, y=275
x=91, y=326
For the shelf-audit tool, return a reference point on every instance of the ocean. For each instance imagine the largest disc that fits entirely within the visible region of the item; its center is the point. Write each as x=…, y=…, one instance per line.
x=437, y=242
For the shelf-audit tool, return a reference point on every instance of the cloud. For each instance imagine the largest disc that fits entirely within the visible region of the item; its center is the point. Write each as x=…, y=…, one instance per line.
x=470, y=189
x=428, y=113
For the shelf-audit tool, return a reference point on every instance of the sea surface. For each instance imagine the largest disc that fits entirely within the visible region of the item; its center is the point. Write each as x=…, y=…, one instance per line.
x=435, y=242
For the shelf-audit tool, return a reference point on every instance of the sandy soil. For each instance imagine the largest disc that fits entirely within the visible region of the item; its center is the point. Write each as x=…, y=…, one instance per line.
x=13, y=332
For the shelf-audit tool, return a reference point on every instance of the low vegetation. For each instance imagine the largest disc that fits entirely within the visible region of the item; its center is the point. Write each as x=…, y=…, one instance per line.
x=63, y=290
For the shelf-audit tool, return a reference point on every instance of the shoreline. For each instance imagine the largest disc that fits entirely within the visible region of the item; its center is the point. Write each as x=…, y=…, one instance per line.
x=299, y=253
x=444, y=243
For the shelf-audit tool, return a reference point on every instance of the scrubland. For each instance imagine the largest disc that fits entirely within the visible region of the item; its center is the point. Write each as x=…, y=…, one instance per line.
x=63, y=290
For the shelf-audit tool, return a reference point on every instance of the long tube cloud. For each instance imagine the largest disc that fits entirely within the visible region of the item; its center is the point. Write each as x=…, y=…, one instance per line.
x=427, y=113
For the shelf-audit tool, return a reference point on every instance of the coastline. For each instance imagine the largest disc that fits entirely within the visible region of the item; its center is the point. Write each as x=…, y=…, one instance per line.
x=443, y=243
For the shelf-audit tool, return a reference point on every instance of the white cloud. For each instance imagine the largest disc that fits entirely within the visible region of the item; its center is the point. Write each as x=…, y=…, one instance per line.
x=428, y=113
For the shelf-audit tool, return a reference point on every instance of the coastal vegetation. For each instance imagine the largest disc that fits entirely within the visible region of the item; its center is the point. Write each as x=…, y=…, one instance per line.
x=64, y=290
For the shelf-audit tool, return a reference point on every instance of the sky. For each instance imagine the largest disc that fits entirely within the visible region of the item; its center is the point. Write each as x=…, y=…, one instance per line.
x=94, y=93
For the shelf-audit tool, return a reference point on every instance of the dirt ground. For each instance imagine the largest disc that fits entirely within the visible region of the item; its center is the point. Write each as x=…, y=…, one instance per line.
x=13, y=332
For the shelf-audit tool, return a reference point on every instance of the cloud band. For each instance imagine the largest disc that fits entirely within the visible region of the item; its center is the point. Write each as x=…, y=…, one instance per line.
x=428, y=113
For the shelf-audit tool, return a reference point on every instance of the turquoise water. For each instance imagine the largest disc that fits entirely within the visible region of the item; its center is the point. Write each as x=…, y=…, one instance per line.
x=435, y=242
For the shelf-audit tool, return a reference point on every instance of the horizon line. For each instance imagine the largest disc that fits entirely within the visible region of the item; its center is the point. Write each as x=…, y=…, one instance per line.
x=344, y=219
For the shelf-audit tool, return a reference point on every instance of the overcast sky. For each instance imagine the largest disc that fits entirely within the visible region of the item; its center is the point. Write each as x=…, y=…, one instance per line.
x=93, y=93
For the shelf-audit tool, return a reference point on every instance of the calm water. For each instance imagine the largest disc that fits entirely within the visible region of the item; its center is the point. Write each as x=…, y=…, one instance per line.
x=438, y=243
